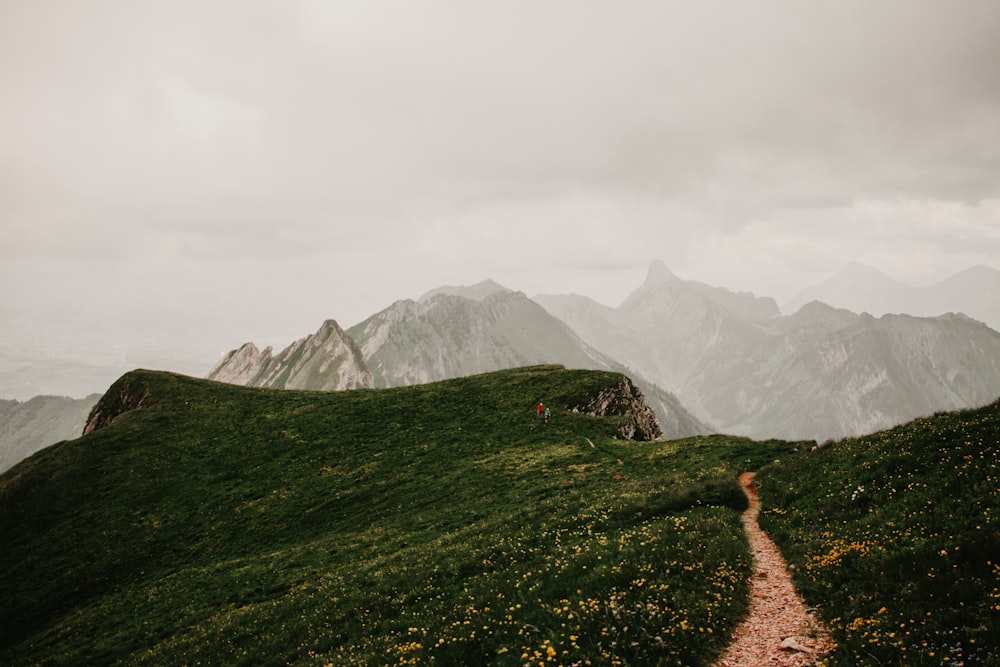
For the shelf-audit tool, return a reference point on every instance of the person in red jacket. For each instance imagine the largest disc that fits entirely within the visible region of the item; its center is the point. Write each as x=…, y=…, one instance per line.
x=541, y=408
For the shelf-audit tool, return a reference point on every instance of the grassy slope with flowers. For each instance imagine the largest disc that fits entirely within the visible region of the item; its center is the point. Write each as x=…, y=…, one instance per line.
x=896, y=538
x=441, y=524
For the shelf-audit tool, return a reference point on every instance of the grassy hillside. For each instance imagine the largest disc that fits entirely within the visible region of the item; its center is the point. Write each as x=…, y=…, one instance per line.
x=436, y=524
x=896, y=538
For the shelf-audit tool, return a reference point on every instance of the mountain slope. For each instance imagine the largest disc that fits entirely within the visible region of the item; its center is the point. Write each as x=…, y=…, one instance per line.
x=327, y=360
x=210, y=523
x=26, y=427
x=449, y=336
x=825, y=381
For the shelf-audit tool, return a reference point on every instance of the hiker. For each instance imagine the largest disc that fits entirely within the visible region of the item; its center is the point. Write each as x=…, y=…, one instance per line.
x=540, y=409
x=548, y=413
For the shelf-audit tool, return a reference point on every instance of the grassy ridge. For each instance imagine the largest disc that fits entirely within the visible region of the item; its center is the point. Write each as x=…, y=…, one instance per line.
x=441, y=524
x=896, y=539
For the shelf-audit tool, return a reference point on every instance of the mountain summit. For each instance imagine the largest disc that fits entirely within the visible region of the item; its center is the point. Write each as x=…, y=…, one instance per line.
x=477, y=292
x=659, y=274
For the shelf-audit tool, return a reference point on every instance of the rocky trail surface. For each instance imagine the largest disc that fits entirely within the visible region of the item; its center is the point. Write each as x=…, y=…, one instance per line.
x=779, y=629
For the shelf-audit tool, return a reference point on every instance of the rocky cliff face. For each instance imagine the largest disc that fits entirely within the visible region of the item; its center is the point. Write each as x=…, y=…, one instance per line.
x=627, y=401
x=328, y=360
x=126, y=394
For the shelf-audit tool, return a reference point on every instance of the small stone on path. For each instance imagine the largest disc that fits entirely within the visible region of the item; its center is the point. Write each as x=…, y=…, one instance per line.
x=790, y=644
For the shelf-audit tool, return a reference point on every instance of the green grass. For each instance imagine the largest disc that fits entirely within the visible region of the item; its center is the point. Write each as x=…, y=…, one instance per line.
x=441, y=524
x=895, y=538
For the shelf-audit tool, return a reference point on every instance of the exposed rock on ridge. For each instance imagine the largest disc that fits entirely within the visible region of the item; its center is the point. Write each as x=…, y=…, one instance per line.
x=624, y=400
x=128, y=393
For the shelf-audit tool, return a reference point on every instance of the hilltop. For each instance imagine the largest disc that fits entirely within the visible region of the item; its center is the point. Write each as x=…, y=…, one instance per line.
x=205, y=522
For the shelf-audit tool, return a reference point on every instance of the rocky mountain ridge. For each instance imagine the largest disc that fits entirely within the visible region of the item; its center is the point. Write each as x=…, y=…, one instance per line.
x=706, y=358
x=444, y=336
x=328, y=360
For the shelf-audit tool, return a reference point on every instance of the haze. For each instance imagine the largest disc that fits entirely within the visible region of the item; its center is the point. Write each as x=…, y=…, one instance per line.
x=179, y=177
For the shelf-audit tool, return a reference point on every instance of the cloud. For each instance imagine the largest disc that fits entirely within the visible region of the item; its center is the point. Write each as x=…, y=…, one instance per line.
x=364, y=111
x=352, y=153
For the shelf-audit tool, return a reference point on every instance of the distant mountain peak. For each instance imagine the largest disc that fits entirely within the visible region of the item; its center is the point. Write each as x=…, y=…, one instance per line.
x=860, y=288
x=857, y=271
x=477, y=292
x=659, y=274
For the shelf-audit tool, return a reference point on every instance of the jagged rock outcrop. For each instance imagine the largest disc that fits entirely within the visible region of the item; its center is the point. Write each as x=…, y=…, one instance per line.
x=328, y=360
x=242, y=365
x=624, y=400
x=128, y=393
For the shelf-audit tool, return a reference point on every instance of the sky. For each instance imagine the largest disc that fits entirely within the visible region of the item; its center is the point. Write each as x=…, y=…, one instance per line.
x=178, y=177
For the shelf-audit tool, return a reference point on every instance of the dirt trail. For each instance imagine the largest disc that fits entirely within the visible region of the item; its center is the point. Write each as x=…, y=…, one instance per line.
x=779, y=630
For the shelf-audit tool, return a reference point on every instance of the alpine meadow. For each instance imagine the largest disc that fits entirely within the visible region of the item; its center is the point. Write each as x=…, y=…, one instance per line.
x=448, y=524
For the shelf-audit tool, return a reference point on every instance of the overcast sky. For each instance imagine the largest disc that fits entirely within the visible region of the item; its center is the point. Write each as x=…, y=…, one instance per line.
x=178, y=177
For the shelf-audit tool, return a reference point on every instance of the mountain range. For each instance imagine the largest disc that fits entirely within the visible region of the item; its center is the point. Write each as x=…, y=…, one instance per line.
x=863, y=289
x=448, y=333
x=707, y=359
x=821, y=373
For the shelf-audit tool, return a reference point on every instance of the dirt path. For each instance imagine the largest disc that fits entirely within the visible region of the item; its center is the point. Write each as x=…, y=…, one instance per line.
x=779, y=630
